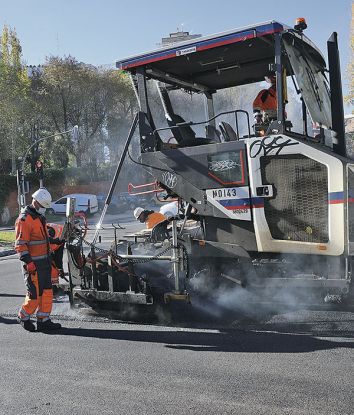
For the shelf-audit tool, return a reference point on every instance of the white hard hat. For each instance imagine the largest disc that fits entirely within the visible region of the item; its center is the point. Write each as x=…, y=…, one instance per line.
x=138, y=211
x=43, y=197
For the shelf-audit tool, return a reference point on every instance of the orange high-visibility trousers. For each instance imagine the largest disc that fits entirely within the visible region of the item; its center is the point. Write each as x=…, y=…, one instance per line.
x=39, y=294
x=40, y=303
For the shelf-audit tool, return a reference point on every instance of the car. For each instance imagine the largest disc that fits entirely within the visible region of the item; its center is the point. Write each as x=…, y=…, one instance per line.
x=86, y=203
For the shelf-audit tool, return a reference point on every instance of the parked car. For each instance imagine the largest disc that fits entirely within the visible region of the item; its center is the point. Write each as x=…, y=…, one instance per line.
x=86, y=203
x=122, y=202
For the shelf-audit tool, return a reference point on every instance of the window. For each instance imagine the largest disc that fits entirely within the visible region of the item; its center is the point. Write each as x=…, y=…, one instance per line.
x=61, y=201
x=227, y=167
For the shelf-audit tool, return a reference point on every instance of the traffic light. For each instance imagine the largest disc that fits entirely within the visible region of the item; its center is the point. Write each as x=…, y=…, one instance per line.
x=39, y=169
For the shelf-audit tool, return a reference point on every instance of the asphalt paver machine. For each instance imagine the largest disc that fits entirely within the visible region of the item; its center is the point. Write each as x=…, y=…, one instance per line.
x=270, y=207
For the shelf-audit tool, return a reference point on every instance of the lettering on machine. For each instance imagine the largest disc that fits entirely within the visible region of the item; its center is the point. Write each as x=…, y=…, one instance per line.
x=224, y=192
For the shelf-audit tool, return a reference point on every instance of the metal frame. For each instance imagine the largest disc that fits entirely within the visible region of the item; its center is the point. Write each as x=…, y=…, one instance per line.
x=116, y=176
x=279, y=80
x=210, y=120
x=113, y=295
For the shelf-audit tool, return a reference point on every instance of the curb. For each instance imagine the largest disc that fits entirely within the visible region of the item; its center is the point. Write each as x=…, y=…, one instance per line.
x=7, y=253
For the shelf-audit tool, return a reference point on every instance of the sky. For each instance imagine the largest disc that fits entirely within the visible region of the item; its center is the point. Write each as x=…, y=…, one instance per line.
x=102, y=31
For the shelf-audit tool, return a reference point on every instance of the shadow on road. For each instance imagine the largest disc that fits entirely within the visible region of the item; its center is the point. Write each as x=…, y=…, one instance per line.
x=225, y=341
x=13, y=295
x=5, y=320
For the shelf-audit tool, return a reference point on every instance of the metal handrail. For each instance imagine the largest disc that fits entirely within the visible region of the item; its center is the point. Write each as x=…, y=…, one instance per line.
x=139, y=186
x=189, y=123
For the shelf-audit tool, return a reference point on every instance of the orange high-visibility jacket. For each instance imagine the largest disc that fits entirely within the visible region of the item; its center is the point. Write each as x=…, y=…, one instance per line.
x=153, y=219
x=266, y=100
x=32, y=242
x=58, y=233
x=55, y=231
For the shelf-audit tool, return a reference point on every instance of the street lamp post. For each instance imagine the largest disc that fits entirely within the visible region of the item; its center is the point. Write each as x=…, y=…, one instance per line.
x=20, y=172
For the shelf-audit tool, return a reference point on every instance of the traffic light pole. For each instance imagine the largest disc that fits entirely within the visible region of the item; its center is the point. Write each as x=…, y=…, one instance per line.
x=39, y=171
x=21, y=199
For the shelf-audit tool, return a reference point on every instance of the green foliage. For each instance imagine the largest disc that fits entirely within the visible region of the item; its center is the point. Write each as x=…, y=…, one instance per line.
x=7, y=237
x=74, y=93
x=54, y=98
x=14, y=95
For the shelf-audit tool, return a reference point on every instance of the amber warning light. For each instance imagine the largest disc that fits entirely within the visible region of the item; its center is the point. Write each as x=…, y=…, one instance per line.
x=300, y=24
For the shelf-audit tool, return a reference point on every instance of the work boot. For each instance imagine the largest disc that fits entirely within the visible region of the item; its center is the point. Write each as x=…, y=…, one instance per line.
x=27, y=324
x=47, y=325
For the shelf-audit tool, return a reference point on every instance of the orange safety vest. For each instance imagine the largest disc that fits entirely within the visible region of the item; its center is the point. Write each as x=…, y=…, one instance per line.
x=153, y=219
x=58, y=229
x=31, y=235
x=266, y=100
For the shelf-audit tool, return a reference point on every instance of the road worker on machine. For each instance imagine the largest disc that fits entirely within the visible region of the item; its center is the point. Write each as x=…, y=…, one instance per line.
x=149, y=217
x=265, y=103
x=33, y=246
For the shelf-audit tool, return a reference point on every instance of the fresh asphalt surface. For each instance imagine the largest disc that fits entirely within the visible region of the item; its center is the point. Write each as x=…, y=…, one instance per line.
x=191, y=360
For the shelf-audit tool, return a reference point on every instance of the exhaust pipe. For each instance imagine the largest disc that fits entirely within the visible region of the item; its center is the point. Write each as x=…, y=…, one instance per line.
x=337, y=110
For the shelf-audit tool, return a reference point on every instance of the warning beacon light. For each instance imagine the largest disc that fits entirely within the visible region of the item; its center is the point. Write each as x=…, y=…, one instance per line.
x=300, y=24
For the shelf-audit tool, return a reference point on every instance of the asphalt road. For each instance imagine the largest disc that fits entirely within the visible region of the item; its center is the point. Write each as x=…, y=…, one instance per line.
x=265, y=360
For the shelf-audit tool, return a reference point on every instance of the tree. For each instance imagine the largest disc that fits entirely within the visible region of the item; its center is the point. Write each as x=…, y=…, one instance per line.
x=73, y=93
x=14, y=99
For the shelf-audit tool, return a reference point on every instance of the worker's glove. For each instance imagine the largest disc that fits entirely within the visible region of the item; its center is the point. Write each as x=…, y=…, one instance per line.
x=31, y=267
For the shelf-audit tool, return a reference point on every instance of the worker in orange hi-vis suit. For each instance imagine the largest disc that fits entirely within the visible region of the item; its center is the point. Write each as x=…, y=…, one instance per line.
x=150, y=217
x=55, y=231
x=33, y=246
x=266, y=100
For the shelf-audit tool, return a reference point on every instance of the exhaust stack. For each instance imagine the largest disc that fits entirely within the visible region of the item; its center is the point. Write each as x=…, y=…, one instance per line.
x=337, y=110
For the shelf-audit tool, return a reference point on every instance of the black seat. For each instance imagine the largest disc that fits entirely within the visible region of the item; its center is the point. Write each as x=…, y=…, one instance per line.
x=228, y=132
x=181, y=133
x=212, y=133
x=185, y=135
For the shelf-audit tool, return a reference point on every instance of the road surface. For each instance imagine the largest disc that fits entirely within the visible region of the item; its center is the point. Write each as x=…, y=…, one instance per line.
x=191, y=361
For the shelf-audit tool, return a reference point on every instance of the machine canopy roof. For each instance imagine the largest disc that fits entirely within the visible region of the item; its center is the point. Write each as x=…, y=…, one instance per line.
x=237, y=57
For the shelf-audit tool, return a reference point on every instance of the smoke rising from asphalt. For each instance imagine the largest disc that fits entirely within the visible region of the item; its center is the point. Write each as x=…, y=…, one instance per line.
x=221, y=298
